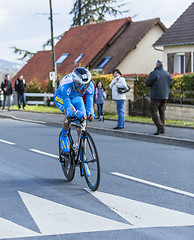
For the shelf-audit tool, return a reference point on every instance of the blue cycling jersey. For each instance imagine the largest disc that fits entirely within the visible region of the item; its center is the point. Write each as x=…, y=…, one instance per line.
x=66, y=95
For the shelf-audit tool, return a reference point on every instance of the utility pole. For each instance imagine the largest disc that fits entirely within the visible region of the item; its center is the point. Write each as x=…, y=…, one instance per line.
x=52, y=47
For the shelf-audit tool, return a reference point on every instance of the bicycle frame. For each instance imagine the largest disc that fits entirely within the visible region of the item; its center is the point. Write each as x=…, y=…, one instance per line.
x=83, y=153
x=82, y=129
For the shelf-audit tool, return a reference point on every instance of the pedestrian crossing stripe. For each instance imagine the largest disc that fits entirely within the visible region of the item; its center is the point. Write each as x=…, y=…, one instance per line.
x=53, y=218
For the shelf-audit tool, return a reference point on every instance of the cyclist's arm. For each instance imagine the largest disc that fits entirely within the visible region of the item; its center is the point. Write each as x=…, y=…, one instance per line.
x=89, y=100
x=63, y=103
x=70, y=111
x=59, y=101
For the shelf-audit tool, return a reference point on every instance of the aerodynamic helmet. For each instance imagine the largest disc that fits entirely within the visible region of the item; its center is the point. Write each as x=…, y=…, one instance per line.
x=81, y=77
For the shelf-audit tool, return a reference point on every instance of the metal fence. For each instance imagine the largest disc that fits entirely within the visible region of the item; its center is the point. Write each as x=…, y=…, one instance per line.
x=46, y=99
x=140, y=106
x=40, y=99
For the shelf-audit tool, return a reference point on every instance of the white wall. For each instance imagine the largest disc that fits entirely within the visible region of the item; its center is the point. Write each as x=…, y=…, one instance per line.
x=143, y=58
x=179, y=49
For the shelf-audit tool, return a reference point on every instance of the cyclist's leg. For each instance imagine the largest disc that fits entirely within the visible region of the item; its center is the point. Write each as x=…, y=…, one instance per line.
x=65, y=127
x=78, y=104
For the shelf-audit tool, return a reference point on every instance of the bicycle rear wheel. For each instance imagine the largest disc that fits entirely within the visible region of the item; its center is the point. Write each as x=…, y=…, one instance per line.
x=67, y=162
x=90, y=162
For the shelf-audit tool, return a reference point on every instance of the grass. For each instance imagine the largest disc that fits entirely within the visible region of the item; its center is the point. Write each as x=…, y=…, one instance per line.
x=149, y=120
x=37, y=108
x=140, y=119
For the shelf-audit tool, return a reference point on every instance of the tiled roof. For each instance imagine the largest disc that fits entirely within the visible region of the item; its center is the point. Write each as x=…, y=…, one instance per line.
x=37, y=68
x=112, y=38
x=127, y=42
x=181, y=32
x=88, y=39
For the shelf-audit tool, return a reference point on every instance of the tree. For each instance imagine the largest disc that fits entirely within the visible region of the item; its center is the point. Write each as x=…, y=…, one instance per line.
x=84, y=12
x=94, y=10
x=26, y=55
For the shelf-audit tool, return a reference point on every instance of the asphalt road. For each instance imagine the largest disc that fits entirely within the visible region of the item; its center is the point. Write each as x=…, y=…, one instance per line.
x=146, y=190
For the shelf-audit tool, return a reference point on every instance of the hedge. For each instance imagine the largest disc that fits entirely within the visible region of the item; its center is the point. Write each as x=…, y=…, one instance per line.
x=183, y=89
x=139, y=84
x=181, y=92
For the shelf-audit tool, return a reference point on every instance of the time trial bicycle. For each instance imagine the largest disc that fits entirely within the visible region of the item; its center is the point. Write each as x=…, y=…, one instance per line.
x=83, y=154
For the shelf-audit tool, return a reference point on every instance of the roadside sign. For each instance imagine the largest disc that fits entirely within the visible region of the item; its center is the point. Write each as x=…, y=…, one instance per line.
x=52, y=76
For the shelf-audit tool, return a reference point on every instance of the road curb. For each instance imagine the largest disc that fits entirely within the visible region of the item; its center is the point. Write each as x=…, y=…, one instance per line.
x=144, y=137
x=122, y=133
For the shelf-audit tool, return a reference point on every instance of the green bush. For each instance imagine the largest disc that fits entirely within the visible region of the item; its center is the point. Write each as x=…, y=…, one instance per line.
x=183, y=88
x=139, y=85
x=188, y=87
x=34, y=87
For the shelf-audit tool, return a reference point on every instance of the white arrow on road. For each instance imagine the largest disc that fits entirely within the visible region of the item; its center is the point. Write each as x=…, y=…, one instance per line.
x=142, y=215
x=9, y=229
x=53, y=218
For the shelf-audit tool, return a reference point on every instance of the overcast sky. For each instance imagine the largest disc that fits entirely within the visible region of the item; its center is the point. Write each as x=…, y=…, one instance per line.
x=24, y=23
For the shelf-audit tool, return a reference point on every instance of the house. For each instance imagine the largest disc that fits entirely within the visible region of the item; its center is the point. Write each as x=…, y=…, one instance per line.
x=103, y=46
x=177, y=43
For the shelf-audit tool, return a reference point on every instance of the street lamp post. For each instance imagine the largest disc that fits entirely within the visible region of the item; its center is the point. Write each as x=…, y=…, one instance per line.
x=52, y=47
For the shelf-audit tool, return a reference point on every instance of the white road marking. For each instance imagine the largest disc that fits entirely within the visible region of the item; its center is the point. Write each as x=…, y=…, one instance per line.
x=153, y=184
x=143, y=215
x=28, y=120
x=9, y=229
x=53, y=218
x=44, y=153
x=10, y=143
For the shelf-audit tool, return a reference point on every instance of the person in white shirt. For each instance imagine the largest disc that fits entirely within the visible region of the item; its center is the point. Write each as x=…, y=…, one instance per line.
x=118, y=82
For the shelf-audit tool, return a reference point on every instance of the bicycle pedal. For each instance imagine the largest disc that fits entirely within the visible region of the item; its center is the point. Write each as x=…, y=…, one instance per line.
x=63, y=157
x=60, y=160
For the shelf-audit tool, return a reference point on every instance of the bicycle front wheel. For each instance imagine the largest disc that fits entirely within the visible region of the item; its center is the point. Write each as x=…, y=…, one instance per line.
x=67, y=162
x=90, y=162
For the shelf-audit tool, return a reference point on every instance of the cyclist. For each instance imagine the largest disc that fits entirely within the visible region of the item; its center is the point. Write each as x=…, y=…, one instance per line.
x=68, y=98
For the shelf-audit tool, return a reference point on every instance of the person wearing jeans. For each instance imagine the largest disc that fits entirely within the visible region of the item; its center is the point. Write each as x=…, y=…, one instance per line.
x=100, y=96
x=6, y=86
x=120, y=112
x=20, y=86
x=118, y=82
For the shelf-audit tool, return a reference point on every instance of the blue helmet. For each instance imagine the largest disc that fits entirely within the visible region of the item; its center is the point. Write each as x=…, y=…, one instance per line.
x=82, y=78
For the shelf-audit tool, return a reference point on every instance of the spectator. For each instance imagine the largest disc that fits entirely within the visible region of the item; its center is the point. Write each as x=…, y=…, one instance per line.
x=160, y=82
x=118, y=82
x=6, y=86
x=100, y=96
x=20, y=86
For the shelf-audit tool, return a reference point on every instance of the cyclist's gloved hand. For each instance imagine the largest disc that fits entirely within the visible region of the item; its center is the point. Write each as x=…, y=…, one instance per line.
x=90, y=116
x=80, y=115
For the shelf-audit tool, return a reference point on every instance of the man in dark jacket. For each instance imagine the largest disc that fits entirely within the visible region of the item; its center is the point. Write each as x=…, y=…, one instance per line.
x=6, y=86
x=160, y=82
x=20, y=86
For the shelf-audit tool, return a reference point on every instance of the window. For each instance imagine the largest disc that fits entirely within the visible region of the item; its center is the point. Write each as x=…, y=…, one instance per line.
x=102, y=63
x=181, y=63
x=62, y=58
x=192, y=70
x=78, y=58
